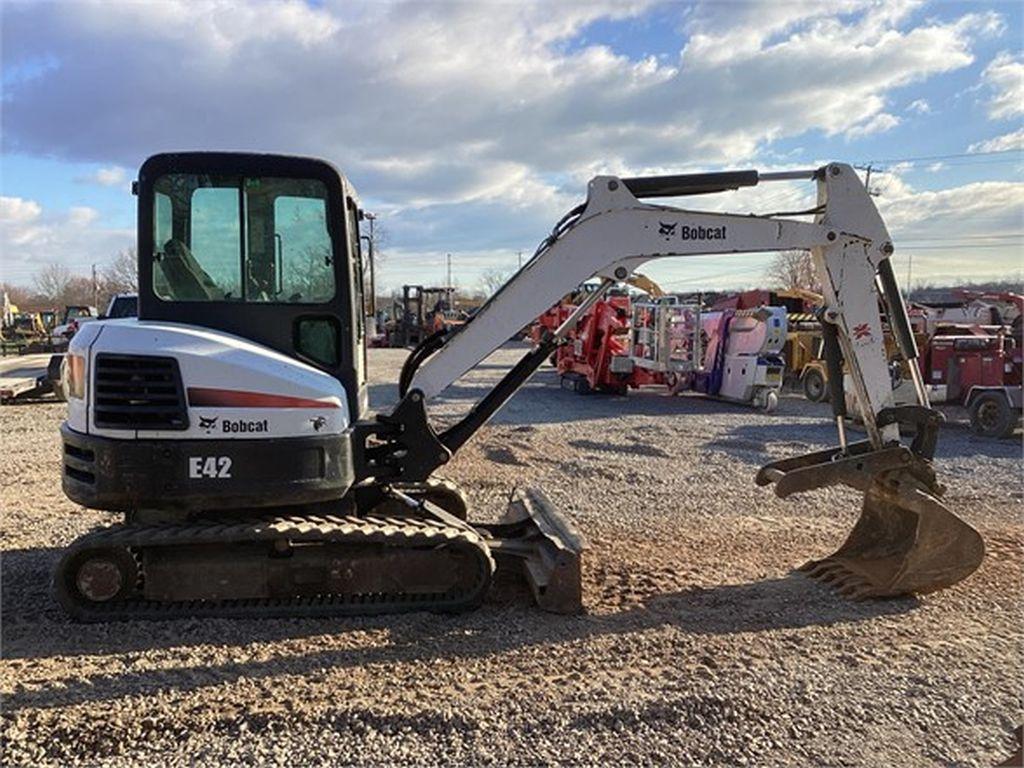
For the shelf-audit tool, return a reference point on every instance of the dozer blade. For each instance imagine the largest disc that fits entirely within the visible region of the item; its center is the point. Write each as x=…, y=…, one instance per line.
x=905, y=541
x=538, y=543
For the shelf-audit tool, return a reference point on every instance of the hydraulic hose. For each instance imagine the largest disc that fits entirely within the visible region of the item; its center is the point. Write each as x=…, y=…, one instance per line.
x=420, y=352
x=834, y=367
x=898, y=318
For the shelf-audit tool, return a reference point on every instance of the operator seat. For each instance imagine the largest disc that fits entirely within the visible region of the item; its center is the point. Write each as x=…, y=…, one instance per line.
x=186, y=279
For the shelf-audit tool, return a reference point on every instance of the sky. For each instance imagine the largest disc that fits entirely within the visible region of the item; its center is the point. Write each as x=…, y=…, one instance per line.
x=470, y=128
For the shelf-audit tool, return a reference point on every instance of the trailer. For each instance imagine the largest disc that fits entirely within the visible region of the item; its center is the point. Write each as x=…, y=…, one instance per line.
x=29, y=376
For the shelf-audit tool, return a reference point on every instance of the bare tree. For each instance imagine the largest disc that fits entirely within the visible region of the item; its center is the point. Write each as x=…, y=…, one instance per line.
x=492, y=279
x=52, y=282
x=122, y=274
x=80, y=291
x=19, y=295
x=792, y=269
x=381, y=238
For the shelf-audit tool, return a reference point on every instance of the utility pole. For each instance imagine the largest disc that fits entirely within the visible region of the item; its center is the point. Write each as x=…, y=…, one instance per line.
x=95, y=289
x=520, y=259
x=910, y=264
x=448, y=284
x=867, y=177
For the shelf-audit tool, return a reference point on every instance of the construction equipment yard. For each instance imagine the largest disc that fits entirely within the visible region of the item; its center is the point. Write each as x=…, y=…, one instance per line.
x=698, y=645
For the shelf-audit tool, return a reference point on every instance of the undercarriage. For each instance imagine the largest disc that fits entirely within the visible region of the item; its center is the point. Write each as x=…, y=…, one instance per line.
x=412, y=551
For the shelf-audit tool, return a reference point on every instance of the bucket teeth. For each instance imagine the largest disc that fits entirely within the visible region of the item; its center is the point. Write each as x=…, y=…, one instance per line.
x=820, y=569
x=846, y=582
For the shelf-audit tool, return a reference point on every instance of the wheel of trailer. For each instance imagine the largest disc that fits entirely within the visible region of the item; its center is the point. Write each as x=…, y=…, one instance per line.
x=991, y=416
x=814, y=386
x=98, y=576
x=581, y=385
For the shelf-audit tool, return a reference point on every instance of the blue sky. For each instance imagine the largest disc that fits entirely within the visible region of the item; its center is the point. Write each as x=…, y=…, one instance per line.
x=471, y=128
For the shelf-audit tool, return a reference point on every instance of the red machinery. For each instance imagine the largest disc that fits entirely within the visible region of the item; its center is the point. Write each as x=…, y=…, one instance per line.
x=979, y=367
x=621, y=344
x=596, y=357
x=972, y=356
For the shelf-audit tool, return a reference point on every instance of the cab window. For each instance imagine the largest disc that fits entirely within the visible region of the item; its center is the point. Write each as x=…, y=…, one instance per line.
x=241, y=239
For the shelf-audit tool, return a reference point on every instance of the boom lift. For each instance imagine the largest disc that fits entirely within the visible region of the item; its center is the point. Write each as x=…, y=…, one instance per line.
x=228, y=423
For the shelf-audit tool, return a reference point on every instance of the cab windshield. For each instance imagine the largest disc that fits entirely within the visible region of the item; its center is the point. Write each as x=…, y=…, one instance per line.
x=244, y=239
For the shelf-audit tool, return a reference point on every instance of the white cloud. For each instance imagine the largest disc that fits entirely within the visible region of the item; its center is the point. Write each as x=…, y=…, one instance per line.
x=82, y=215
x=976, y=209
x=880, y=123
x=31, y=236
x=919, y=106
x=1004, y=76
x=1014, y=140
x=17, y=210
x=112, y=176
x=970, y=231
x=476, y=99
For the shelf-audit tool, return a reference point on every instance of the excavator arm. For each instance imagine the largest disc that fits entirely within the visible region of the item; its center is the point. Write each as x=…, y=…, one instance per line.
x=906, y=540
x=615, y=233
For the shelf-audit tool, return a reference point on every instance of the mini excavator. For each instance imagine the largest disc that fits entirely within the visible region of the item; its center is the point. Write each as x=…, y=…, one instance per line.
x=229, y=422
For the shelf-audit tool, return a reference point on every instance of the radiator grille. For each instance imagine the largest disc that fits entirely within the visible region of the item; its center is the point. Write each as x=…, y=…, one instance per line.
x=138, y=392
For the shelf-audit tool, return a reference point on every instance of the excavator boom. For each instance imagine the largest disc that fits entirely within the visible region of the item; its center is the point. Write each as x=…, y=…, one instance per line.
x=906, y=540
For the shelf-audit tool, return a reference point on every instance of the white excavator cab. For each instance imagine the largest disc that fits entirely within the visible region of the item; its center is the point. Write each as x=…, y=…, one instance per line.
x=263, y=247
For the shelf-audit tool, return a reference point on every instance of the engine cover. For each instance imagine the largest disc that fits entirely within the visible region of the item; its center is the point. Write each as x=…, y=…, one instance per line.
x=207, y=385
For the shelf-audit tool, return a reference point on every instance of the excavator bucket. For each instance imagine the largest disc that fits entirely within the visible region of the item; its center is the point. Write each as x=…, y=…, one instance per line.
x=905, y=541
x=533, y=541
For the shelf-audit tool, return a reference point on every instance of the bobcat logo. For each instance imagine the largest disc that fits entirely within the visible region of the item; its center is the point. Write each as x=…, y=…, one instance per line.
x=208, y=423
x=318, y=423
x=667, y=230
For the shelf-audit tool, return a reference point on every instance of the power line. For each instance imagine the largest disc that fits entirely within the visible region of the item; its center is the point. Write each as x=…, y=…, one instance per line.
x=719, y=275
x=1010, y=236
x=926, y=158
x=948, y=246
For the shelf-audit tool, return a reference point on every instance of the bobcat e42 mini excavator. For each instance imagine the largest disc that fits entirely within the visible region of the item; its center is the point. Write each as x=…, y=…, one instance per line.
x=229, y=424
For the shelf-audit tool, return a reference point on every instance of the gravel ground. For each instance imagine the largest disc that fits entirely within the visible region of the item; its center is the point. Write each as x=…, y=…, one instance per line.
x=699, y=644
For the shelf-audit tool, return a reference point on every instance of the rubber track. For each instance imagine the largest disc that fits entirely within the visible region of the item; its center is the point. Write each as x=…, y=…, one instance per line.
x=397, y=532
